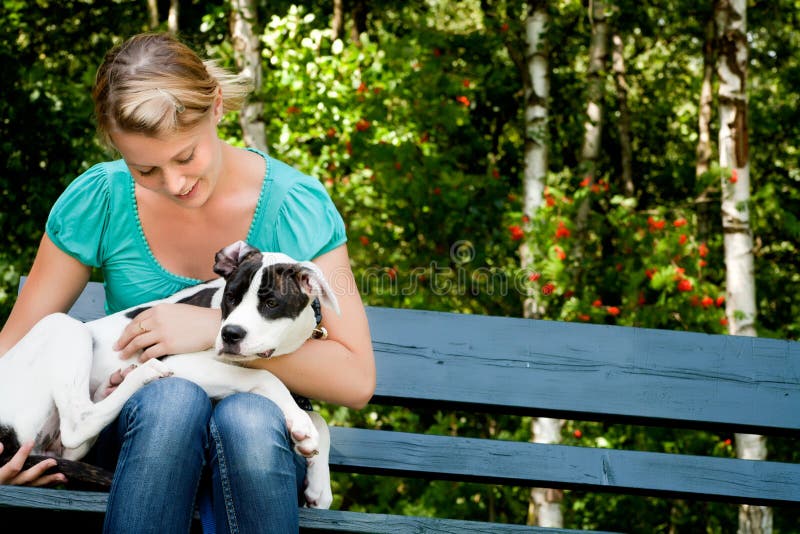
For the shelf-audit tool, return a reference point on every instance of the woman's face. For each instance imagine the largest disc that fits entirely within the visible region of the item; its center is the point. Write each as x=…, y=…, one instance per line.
x=183, y=167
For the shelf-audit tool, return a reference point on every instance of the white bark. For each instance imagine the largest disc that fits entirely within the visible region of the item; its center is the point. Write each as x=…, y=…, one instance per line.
x=152, y=12
x=593, y=125
x=545, y=504
x=537, y=91
x=731, y=19
x=733, y=148
x=624, y=123
x=247, y=53
x=172, y=17
x=753, y=519
x=598, y=56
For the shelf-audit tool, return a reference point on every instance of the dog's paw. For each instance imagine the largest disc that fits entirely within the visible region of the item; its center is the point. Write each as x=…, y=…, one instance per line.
x=318, y=486
x=150, y=370
x=112, y=382
x=304, y=434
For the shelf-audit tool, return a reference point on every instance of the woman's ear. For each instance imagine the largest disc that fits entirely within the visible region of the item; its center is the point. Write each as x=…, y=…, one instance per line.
x=219, y=107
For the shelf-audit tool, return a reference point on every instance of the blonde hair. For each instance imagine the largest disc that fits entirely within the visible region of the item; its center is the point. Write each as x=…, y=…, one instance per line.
x=154, y=84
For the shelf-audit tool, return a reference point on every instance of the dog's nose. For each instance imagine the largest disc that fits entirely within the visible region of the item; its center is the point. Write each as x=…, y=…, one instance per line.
x=232, y=334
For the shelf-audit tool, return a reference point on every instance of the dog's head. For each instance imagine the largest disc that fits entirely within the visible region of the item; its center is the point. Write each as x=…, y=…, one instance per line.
x=267, y=302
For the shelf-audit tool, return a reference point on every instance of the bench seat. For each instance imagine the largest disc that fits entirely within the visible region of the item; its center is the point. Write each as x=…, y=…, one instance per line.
x=498, y=365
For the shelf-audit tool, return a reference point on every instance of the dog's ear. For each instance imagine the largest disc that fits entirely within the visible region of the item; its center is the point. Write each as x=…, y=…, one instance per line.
x=313, y=282
x=229, y=258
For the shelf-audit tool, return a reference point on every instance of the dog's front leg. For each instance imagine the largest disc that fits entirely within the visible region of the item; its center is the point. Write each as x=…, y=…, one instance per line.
x=318, y=474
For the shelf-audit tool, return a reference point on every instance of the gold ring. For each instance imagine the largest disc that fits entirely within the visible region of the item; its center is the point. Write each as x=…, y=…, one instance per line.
x=142, y=329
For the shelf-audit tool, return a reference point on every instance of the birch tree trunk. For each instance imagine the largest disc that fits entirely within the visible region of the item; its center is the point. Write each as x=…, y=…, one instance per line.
x=152, y=13
x=172, y=17
x=247, y=53
x=593, y=126
x=624, y=125
x=731, y=20
x=359, y=12
x=337, y=21
x=706, y=95
x=545, y=504
x=704, y=151
x=536, y=84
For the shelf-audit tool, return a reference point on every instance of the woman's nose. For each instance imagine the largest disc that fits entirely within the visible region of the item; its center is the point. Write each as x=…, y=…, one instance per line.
x=174, y=181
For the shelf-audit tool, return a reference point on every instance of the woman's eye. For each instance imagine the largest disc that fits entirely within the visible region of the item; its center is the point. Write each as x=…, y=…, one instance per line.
x=147, y=173
x=187, y=160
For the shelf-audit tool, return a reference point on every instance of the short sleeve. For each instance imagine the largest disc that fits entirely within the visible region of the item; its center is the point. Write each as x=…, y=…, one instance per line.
x=79, y=218
x=308, y=223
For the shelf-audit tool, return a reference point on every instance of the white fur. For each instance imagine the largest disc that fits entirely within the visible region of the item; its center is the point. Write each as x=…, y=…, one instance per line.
x=51, y=377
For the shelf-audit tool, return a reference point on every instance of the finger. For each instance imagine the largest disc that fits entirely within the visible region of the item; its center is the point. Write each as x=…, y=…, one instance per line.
x=33, y=475
x=139, y=342
x=133, y=329
x=49, y=480
x=125, y=337
x=153, y=351
x=18, y=460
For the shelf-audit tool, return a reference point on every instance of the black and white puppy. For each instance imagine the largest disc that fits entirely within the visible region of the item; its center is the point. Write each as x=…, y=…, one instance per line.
x=52, y=382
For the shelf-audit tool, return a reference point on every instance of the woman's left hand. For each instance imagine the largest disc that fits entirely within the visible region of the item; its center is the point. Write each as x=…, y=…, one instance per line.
x=169, y=329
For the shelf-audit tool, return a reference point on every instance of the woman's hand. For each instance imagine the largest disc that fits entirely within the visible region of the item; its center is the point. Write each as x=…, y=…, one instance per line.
x=12, y=472
x=169, y=329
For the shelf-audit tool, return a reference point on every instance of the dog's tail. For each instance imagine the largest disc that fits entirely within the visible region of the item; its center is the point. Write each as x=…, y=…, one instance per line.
x=80, y=475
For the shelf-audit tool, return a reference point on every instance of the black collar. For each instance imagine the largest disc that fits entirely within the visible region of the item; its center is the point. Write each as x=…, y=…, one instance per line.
x=319, y=332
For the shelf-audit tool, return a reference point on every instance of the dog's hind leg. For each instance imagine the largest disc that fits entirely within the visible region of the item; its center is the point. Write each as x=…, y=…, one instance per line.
x=81, y=419
x=318, y=475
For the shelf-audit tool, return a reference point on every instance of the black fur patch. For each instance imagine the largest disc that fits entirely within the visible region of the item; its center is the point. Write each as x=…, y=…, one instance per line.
x=8, y=437
x=238, y=283
x=136, y=311
x=280, y=294
x=202, y=298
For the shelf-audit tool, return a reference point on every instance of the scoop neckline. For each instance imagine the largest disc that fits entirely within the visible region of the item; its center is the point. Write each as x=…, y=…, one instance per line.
x=143, y=239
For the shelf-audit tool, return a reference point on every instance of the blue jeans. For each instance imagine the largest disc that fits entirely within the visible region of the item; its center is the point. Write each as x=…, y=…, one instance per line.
x=171, y=443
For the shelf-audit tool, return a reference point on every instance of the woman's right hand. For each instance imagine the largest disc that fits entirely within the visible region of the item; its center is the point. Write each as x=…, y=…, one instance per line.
x=12, y=472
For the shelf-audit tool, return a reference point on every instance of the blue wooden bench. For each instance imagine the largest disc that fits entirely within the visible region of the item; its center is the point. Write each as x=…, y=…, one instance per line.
x=435, y=360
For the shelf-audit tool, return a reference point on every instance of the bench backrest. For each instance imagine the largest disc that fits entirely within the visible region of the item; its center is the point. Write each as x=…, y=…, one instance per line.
x=572, y=371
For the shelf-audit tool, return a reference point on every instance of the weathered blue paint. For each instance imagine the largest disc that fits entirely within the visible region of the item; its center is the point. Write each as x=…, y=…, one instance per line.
x=440, y=360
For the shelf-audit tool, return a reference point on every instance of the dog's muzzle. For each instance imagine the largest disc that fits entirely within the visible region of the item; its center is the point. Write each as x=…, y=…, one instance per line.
x=232, y=336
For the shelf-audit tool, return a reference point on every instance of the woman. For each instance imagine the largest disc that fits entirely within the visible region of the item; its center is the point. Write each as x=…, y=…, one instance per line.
x=152, y=223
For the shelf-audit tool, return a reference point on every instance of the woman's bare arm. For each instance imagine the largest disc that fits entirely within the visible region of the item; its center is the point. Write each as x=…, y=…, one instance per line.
x=340, y=369
x=54, y=283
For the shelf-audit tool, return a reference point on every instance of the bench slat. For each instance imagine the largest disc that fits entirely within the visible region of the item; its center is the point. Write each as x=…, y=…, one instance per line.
x=338, y=521
x=576, y=371
x=310, y=520
x=562, y=466
x=53, y=499
x=586, y=371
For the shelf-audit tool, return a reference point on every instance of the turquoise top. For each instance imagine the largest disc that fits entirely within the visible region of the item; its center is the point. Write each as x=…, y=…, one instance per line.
x=96, y=221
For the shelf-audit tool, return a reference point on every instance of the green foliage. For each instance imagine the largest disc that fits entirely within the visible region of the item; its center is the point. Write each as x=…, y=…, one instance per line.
x=45, y=115
x=627, y=266
x=397, y=132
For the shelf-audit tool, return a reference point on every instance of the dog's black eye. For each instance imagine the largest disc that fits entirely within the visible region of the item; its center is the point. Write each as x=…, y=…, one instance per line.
x=271, y=303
